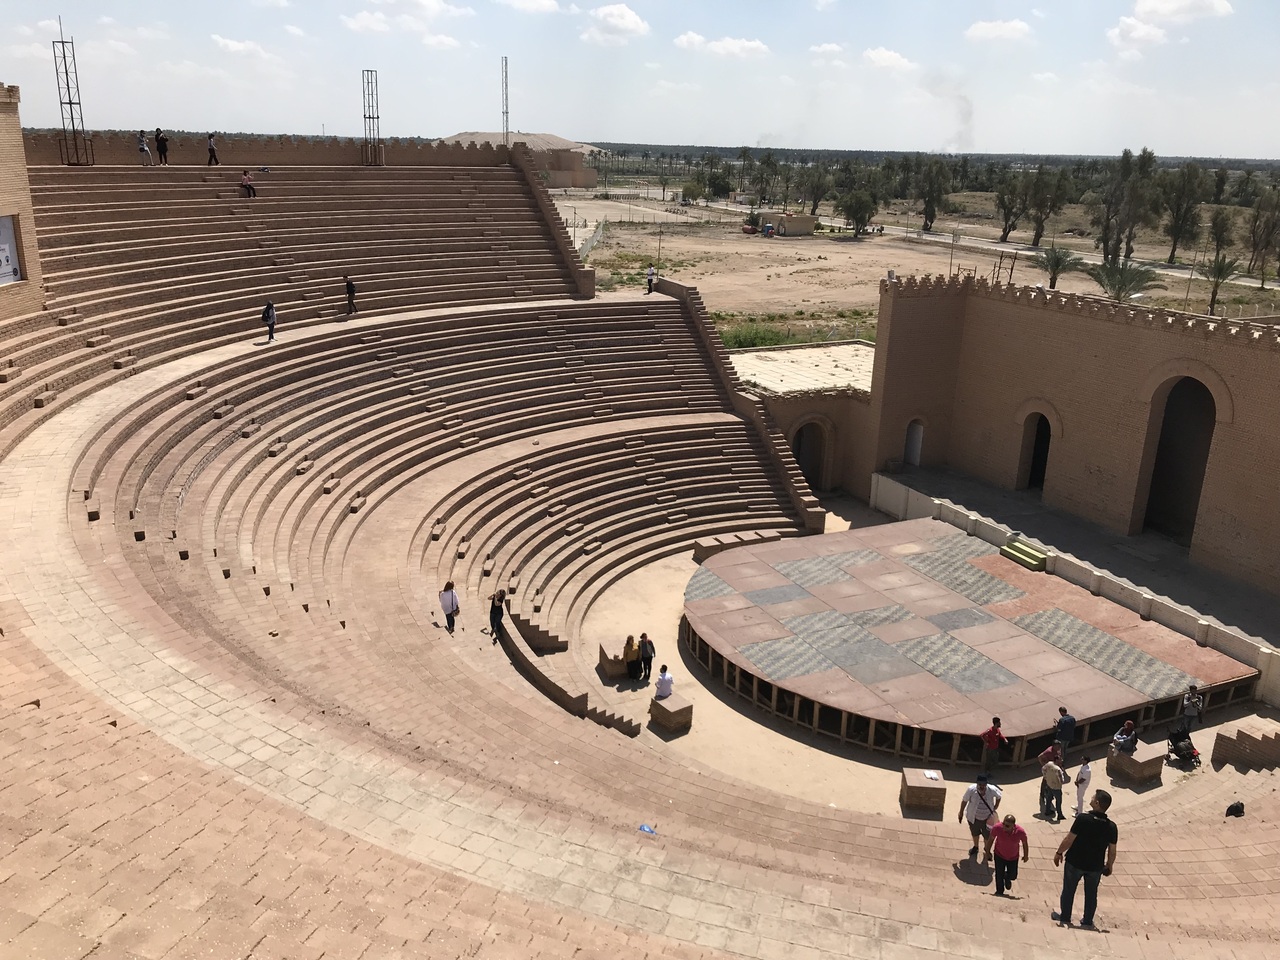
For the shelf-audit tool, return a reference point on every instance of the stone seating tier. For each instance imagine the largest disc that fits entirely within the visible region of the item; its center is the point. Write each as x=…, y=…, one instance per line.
x=1145, y=765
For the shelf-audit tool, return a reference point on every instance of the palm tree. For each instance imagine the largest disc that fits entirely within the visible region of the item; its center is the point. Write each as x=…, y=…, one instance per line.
x=1125, y=280
x=1218, y=271
x=1056, y=261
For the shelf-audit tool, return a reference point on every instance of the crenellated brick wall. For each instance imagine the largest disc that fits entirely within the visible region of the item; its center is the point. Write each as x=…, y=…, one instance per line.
x=974, y=361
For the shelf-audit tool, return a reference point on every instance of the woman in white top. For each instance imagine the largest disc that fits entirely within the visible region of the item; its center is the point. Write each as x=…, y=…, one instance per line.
x=449, y=605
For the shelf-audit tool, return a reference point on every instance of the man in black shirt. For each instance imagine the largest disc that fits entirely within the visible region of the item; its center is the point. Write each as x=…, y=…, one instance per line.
x=1090, y=852
x=351, y=296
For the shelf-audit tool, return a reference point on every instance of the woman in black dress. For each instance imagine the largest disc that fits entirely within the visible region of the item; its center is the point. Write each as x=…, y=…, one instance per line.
x=162, y=147
x=496, y=609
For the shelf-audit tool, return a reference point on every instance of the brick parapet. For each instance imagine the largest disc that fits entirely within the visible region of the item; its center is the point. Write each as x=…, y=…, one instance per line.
x=121, y=147
x=584, y=277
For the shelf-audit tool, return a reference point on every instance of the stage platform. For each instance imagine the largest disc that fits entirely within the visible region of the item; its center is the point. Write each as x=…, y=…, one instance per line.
x=909, y=637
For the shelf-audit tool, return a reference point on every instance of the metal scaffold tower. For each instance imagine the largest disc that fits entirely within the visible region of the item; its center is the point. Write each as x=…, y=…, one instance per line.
x=76, y=148
x=372, y=153
x=506, y=113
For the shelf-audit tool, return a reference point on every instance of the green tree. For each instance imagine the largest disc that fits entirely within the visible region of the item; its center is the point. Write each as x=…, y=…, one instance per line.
x=1045, y=198
x=1056, y=261
x=815, y=184
x=1125, y=280
x=1141, y=205
x=1011, y=202
x=1221, y=228
x=691, y=191
x=719, y=184
x=663, y=182
x=1218, y=271
x=1183, y=190
x=746, y=163
x=857, y=208
x=931, y=188
x=1220, y=185
x=1264, y=223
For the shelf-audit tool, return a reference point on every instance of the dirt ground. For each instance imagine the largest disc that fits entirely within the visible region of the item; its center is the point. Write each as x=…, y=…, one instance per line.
x=824, y=286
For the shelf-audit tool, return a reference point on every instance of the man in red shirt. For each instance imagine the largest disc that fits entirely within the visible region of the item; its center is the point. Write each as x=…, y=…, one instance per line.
x=992, y=740
x=1005, y=837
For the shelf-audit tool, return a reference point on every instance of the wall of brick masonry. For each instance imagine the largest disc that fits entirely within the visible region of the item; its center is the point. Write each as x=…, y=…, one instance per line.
x=976, y=361
x=919, y=335
x=847, y=427
x=27, y=295
x=264, y=151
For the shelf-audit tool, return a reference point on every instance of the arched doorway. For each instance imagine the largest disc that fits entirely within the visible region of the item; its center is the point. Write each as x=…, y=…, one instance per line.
x=809, y=446
x=1034, y=462
x=915, y=443
x=1186, y=434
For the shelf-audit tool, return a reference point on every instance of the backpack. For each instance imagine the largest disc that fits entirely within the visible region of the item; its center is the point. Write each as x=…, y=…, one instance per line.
x=268, y=313
x=1236, y=809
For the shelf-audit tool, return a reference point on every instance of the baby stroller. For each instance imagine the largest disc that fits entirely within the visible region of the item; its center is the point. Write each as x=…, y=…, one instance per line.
x=1181, y=750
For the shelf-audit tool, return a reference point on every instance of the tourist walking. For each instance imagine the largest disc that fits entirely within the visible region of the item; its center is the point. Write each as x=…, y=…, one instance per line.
x=978, y=806
x=1064, y=731
x=1049, y=754
x=992, y=740
x=213, y=153
x=1005, y=839
x=647, y=653
x=246, y=181
x=497, y=608
x=650, y=275
x=269, y=318
x=1083, y=776
x=449, y=605
x=631, y=657
x=1192, y=706
x=1052, y=777
x=143, y=150
x=1090, y=854
x=162, y=147
x=351, y=296
x=665, y=686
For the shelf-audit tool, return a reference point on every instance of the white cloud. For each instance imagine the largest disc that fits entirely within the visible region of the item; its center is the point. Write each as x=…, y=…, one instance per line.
x=27, y=51
x=1045, y=77
x=531, y=6
x=271, y=3
x=367, y=21
x=825, y=48
x=290, y=29
x=724, y=47
x=737, y=47
x=106, y=21
x=614, y=25
x=887, y=59
x=48, y=26
x=824, y=4
x=1180, y=11
x=439, y=41
x=1130, y=35
x=1037, y=12
x=998, y=30
x=248, y=47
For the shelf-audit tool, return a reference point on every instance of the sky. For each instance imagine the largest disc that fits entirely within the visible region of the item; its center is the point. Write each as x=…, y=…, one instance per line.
x=1184, y=77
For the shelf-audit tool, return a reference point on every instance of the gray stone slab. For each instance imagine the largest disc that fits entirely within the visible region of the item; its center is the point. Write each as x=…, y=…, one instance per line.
x=956, y=664
x=1109, y=654
x=785, y=658
x=879, y=616
x=811, y=571
x=705, y=585
x=948, y=563
x=959, y=619
x=771, y=595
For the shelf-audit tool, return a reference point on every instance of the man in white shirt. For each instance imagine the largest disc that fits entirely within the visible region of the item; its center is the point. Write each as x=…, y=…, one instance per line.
x=665, y=686
x=978, y=805
x=1083, y=776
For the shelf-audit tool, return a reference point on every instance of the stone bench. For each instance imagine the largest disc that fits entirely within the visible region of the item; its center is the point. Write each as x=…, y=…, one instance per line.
x=1145, y=765
x=673, y=714
x=918, y=791
x=613, y=667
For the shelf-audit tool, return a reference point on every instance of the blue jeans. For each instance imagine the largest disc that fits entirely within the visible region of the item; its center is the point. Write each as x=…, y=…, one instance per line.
x=1071, y=877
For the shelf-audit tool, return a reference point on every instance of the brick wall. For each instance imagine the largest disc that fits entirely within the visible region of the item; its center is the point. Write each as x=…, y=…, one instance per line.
x=261, y=151
x=974, y=362
x=27, y=295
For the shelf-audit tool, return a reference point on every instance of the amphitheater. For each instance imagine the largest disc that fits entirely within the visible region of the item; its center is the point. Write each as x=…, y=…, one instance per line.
x=232, y=724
